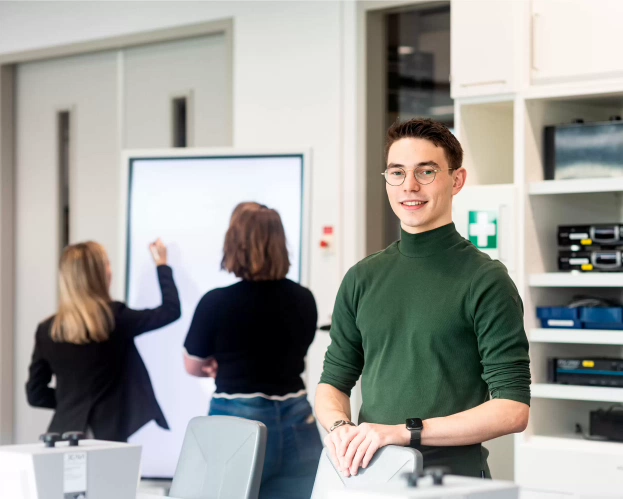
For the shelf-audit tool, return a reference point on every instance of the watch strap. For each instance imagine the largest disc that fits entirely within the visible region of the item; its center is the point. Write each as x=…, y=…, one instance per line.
x=416, y=438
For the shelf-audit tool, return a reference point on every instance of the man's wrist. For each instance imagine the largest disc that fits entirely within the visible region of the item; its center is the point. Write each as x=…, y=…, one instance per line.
x=339, y=423
x=403, y=436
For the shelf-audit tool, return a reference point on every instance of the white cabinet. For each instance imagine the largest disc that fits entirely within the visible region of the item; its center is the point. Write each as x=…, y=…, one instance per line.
x=568, y=466
x=483, y=39
x=575, y=40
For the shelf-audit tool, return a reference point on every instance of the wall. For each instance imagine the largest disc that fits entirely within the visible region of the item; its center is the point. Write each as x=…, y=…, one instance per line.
x=286, y=78
x=288, y=87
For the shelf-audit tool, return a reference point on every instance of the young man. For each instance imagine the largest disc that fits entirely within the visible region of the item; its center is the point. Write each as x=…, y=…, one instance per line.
x=433, y=326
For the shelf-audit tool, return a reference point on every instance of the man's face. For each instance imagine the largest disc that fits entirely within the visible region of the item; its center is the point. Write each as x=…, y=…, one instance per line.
x=421, y=208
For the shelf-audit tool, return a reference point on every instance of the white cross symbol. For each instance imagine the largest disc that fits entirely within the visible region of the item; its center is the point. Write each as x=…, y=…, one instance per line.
x=482, y=229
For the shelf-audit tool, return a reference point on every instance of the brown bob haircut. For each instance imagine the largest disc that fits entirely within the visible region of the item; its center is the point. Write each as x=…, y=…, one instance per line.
x=255, y=244
x=433, y=131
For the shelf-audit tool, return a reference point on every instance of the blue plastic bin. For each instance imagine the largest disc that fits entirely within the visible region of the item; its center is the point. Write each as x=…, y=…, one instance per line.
x=602, y=318
x=559, y=317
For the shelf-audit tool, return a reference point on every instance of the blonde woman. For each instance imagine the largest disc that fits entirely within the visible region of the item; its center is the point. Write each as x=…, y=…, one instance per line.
x=102, y=384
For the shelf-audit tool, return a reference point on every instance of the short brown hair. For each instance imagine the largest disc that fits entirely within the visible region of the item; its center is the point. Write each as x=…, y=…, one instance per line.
x=255, y=244
x=433, y=131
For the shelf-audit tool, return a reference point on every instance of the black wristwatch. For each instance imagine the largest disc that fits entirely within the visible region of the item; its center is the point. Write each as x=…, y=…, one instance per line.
x=415, y=426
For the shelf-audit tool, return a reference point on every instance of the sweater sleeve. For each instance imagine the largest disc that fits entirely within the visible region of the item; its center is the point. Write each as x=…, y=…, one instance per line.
x=497, y=311
x=140, y=321
x=343, y=362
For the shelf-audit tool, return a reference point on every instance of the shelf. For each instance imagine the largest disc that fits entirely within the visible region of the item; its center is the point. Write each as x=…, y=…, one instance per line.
x=577, y=280
x=577, y=336
x=572, y=392
x=572, y=442
x=576, y=186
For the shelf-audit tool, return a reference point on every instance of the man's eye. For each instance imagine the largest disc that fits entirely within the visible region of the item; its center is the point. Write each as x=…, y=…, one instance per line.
x=427, y=172
x=396, y=173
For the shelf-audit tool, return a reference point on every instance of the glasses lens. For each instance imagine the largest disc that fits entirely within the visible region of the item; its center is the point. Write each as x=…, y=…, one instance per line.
x=395, y=176
x=425, y=175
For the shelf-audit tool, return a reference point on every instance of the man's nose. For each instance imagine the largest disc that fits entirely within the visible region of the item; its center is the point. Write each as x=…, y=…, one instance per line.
x=410, y=184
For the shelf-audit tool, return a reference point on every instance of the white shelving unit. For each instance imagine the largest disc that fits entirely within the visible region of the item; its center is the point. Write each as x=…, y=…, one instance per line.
x=572, y=392
x=549, y=89
x=576, y=336
x=576, y=280
x=556, y=409
x=572, y=442
x=576, y=186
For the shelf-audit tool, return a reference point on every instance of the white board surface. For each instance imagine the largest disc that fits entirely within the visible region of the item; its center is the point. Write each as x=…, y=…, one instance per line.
x=188, y=201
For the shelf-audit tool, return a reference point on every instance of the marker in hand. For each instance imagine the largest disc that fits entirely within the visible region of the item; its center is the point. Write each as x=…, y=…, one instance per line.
x=154, y=252
x=158, y=252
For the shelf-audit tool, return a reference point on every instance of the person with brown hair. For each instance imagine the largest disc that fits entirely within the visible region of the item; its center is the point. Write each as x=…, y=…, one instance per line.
x=102, y=384
x=433, y=326
x=252, y=337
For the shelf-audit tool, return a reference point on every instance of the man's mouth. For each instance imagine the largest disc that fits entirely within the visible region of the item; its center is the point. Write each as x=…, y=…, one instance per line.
x=412, y=205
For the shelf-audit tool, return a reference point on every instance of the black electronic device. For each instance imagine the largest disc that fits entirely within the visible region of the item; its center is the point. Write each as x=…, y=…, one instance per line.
x=602, y=260
x=584, y=150
x=586, y=371
x=415, y=426
x=610, y=235
x=607, y=423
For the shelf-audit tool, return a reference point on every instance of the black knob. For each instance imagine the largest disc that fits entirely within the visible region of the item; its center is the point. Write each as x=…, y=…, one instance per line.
x=615, y=118
x=74, y=437
x=437, y=473
x=50, y=439
x=411, y=478
x=578, y=121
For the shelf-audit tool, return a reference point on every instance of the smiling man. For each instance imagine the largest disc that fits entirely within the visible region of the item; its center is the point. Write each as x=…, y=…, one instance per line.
x=433, y=326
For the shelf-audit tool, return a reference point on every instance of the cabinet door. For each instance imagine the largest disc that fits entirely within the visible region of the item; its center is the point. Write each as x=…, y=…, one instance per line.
x=483, y=52
x=575, y=40
x=570, y=466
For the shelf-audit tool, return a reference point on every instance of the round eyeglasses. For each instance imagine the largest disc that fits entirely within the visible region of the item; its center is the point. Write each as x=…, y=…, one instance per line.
x=396, y=175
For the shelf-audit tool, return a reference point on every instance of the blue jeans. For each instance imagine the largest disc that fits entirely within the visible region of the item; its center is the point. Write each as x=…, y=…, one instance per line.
x=293, y=446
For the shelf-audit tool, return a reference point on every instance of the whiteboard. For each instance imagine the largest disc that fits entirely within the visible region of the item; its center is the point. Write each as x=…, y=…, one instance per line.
x=187, y=198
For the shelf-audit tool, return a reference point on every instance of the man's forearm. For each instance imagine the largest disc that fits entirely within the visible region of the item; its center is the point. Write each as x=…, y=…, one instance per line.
x=331, y=405
x=487, y=421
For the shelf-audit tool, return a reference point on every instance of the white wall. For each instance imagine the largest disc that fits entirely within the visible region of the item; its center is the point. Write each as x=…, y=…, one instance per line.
x=293, y=87
x=286, y=80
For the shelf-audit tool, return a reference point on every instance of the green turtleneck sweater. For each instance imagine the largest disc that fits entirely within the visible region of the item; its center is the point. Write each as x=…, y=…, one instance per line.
x=434, y=327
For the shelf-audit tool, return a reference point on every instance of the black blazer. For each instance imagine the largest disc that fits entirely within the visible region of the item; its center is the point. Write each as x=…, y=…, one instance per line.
x=102, y=386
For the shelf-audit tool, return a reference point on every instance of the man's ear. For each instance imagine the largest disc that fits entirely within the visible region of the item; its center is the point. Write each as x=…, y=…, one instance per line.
x=459, y=178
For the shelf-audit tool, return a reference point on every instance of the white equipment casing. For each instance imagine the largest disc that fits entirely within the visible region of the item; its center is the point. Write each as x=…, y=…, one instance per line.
x=454, y=487
x=34, y=471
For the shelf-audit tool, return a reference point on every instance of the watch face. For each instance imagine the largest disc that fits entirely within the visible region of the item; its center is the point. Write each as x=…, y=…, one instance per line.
x=414, y=424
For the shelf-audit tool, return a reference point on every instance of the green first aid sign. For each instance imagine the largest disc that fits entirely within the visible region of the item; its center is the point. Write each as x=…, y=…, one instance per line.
x=483, y=229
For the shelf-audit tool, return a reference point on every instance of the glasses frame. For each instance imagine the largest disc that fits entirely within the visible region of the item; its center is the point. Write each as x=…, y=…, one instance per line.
x=436, y=170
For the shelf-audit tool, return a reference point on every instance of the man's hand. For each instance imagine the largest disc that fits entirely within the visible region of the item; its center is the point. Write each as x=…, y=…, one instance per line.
x=352, y=447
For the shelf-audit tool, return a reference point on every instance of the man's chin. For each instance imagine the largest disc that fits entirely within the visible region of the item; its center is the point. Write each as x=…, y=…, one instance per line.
x=413, y=226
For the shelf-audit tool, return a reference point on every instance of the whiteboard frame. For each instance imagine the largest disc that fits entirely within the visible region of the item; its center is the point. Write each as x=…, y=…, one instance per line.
x=130, y=154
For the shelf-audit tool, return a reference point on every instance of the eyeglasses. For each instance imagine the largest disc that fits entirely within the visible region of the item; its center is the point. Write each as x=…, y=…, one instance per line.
x=423, y=175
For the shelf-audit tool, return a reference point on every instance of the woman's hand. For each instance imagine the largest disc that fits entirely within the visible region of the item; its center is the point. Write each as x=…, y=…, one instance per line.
x=210, y=369
x=158, y=252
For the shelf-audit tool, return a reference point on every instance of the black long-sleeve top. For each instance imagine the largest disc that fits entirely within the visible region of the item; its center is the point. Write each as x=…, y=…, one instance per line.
x=104, y=386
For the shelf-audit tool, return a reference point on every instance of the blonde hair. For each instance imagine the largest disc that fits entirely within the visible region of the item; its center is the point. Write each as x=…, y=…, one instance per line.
x=84, y=312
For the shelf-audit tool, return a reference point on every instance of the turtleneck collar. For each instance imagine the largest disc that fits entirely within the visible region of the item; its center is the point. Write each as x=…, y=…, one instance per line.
x=428, y=243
